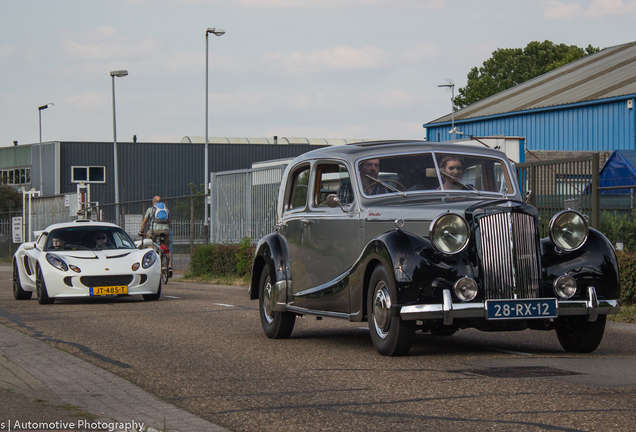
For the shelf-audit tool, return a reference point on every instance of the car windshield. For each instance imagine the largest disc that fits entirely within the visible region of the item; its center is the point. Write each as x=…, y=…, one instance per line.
x=88, y=238
x=418, y=172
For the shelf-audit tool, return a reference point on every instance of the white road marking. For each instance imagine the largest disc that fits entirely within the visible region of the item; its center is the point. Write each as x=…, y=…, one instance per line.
x=170, y=296
x=223, y=304
x=510, y=352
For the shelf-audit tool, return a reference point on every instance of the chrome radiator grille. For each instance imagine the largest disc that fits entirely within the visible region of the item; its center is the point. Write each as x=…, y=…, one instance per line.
x=509, y=256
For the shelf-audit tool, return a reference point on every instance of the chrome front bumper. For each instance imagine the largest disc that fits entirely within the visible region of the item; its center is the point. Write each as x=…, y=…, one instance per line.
x=448, y=311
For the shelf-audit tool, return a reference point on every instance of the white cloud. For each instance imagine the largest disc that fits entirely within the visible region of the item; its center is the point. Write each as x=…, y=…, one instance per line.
x=336, y=58
x=422, y=52
x=560, y=10
x=597, y=9
x=87, y=102
x=104, y=43
x=288, y=4
x=600, y=8
x=7, y=51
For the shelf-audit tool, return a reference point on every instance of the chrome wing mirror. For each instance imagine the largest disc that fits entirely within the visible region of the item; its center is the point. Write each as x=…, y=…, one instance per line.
x=333, y=201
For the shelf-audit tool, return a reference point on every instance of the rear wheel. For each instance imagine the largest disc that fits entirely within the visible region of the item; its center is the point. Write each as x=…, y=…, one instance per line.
x=277, y=325
x=577, y=334
x=18, y=292
x=43, y=294
x=391, y=335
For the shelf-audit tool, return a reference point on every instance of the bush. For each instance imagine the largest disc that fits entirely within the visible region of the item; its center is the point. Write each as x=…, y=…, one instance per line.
x=627, y=269
x=617, y=227
x=222, y=259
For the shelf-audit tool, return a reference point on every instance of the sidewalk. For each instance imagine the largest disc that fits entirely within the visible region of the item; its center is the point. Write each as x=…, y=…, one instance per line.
x=41, y=384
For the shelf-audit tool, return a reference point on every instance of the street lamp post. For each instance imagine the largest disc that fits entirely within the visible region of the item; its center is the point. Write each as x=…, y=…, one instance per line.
x=40, y=109
x=206, y=187
x=113, y=74
x=451, y=86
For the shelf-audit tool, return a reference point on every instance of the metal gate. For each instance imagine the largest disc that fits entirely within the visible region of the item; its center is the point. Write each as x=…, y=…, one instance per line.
x=558, y=184
x=243, y=203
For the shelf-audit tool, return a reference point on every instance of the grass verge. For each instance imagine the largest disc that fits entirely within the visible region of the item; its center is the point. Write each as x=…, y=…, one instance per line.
x=217, y=280
x=627, y=315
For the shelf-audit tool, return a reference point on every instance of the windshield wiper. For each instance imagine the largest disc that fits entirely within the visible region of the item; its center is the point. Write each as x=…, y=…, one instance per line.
x=391, y=188
x=461, y=183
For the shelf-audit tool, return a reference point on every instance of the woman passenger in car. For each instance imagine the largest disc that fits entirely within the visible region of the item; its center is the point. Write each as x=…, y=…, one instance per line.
x=452, y=166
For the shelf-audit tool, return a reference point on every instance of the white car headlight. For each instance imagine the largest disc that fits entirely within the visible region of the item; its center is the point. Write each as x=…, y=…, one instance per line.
x=149, y=259
x=56, y=262
x=568, y=230
x=450, y=233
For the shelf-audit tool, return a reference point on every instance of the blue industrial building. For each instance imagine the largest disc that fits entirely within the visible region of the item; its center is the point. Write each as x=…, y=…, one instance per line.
x=586, y=105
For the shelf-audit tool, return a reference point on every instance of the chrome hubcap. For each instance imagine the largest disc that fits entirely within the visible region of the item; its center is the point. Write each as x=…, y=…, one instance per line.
x=382, y=310
x=267, y=301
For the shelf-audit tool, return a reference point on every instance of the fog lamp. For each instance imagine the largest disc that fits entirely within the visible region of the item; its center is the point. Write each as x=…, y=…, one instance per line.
x=465, y=289
x=564, y=287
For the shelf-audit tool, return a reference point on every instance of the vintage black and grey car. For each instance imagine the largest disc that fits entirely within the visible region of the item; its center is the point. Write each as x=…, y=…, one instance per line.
x=427, y=236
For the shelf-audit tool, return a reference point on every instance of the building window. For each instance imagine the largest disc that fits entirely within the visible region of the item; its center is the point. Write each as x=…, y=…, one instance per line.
x=17, y=176
x=88, y=174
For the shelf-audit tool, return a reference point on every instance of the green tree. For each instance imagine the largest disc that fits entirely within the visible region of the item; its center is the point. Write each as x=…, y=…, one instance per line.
x=10, y=199
x=509, y=67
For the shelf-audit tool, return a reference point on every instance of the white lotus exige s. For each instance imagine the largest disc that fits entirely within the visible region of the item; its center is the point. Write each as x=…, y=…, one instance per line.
x=85, y=259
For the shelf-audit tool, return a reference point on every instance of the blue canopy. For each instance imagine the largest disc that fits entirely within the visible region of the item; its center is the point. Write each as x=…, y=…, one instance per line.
x=618, y=170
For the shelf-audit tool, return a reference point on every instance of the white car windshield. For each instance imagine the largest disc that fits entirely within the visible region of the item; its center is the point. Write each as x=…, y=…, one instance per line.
x=432, y=172
x=88, y=238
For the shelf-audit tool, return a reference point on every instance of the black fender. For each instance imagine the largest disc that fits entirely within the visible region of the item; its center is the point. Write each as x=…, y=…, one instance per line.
x=594, y=264
x=270, y=251
x=421, y=273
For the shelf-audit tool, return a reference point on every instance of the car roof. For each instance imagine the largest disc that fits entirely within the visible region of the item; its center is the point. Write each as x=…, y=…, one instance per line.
x=367, y=149
x=80, y=223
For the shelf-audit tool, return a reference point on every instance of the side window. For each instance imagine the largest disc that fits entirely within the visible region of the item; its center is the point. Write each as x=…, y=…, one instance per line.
x=298, y=188
x=333, y=178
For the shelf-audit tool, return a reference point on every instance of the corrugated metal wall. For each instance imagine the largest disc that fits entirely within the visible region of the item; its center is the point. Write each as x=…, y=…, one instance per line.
x=165, y=169
x=15, y=157
x=596, y=127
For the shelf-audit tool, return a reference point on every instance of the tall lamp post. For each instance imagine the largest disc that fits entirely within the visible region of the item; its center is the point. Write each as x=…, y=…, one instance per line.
x=40, y=109
x=206, y=188
x=113, y=74
x=450, y=85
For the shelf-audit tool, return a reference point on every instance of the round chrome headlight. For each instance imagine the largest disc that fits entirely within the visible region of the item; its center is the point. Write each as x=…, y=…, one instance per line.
x=564, y=287
x=465, y=289
x=568, y=230
x=450, y=233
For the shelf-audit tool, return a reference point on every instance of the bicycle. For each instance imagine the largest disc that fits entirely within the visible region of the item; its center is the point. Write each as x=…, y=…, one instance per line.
x=160, y=247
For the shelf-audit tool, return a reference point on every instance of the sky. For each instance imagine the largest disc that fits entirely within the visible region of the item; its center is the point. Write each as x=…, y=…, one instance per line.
x=357, y=69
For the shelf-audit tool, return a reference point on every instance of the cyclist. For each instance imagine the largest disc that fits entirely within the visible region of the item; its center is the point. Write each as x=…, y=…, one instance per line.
x=157, y=219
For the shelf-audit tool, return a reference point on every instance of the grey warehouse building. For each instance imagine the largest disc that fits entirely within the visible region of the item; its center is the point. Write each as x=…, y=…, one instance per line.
x=145, y=169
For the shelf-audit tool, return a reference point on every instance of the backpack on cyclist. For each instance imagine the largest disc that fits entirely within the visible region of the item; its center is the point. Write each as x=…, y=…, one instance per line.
x=161, y=213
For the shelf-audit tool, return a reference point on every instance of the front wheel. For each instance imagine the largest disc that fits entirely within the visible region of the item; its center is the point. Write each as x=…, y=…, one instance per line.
x=277, y=325
x=18, y=292
x=43, y=294
x=577, y=334
x=164, y=269
x=153, y=297
x=391, y=335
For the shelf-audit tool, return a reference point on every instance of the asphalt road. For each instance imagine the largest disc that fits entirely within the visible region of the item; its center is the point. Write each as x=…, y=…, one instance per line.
x=202, y=349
